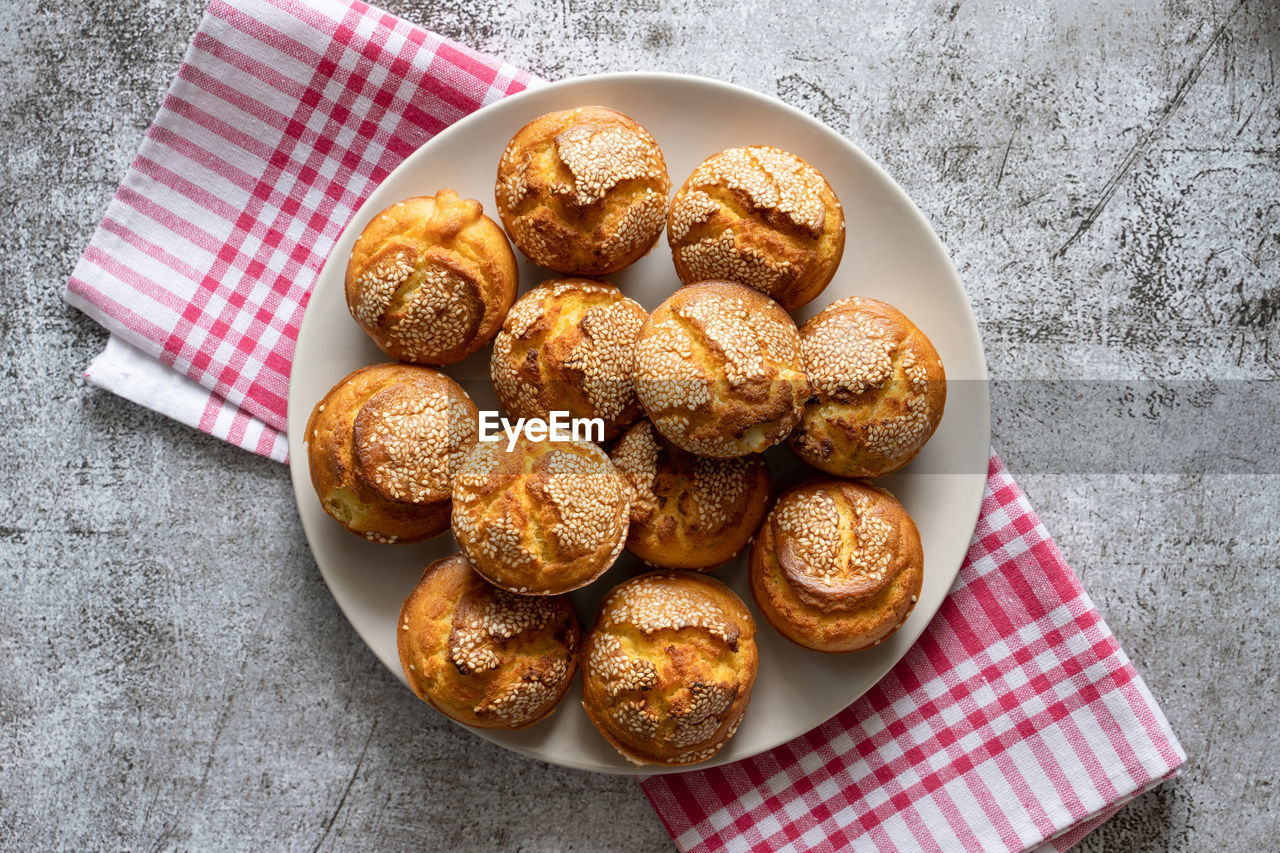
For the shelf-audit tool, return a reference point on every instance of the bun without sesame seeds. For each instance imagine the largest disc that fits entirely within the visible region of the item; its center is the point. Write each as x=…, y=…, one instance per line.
x=569, y=345
x=543, y=518
x=687, y=511
x=719, y=370
x=760, y=216
x=383, y=447
x=879, y=389
x=431, y=278
x=837, y=565
x=668, y=668
x=484, y=656
x=583, y=191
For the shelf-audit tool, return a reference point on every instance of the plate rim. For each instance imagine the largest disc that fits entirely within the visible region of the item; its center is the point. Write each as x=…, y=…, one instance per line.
x=297, y=410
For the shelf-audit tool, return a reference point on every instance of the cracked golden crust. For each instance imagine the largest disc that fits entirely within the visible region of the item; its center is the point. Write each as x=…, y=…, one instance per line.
x=837, y=565
x=583, y=191
x=569, y=345
x=543, y=519
x=687, y=511
x=430, y=279
x=484, y=656
x=383, y=447
x=760, y=216
x=719, y=370
x=879, y=390
x=668, y=668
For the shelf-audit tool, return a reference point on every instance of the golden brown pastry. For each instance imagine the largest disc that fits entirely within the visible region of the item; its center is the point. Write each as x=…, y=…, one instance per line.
x=667, y=669
x=482, y=655
x=687, y=511
x=837, y=565
x=583, y=191
x=384, y=445
x=719, y=370
x=878, y=389
x=543, y=518
x=430, y=279
x=760, y=216
x=569, y=345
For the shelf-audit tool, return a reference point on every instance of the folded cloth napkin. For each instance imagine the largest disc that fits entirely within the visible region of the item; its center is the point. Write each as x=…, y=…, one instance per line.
x=1016, y=720
x=283, y=118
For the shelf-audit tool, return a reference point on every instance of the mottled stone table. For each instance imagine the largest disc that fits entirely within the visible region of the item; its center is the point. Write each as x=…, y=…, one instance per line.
x=173, y=673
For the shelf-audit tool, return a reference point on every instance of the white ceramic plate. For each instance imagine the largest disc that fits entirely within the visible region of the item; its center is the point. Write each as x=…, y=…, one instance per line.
x=890, y=253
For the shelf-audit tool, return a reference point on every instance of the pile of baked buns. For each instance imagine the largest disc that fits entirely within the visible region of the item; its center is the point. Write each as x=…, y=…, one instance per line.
x=690, y=397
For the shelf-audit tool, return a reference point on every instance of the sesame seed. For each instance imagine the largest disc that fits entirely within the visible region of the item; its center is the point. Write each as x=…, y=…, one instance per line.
x=719, y=487
x=578, y=337
x=544, y=517
x=438, y=316
x=759, y=216
x=859, y=351
x=671, y=664
x=772, y=179
x=504, y=658
x=430, y=279
x=601, y=158
x=810, y=522
x=590, y=174
x=418, y=436
x=731, y=340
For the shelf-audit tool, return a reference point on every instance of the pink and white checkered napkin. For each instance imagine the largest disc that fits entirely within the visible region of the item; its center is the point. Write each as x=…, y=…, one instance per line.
x=283, y=118
x=1015, y=720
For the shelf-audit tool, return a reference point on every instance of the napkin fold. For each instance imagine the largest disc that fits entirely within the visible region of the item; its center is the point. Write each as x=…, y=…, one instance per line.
x=1016, y=721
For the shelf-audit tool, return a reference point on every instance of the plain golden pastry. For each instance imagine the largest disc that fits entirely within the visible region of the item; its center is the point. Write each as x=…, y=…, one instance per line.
x=837, y=565
x=384, y=445
x=542, y=518
x=760, y=216
x=668, y=668
x=583, y=191
x=878, y=389
x=569, y=345
x=687, y=511
x=431, y=278
x=719, y=370
x=482, y=655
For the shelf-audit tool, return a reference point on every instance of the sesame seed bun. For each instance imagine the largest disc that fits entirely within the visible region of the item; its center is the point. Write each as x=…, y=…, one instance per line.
x=879, y=390
x=760, y=216
x=543, y=518
x=431, y=278
x=837, y=565
x=383, y=446
x=719, y=370
x=687, y=511
x=583, y=191
x=569, y=345
x=484, y=656
x=668, y=668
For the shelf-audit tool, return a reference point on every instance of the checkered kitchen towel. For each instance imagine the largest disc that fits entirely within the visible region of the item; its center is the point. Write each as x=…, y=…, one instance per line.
x=283, y=118
x=1015, y=720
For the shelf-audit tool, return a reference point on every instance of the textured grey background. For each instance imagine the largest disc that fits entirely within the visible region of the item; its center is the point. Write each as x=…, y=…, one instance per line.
x=173, y=673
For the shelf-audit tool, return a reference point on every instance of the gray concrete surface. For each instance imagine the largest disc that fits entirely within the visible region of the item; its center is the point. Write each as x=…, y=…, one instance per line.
x=173, y=673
